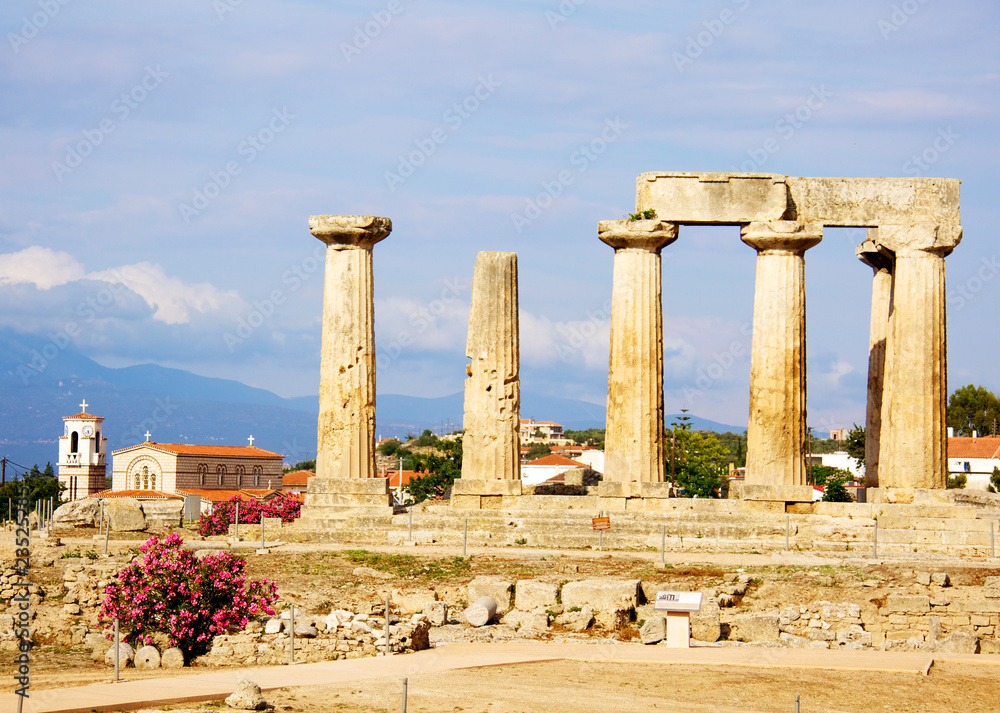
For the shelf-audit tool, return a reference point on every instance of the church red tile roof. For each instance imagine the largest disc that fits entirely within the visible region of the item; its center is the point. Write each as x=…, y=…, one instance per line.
x=296, y=477
x=138, y=494
x=979, y=447
x=407, y=476
x=83, y=414
x=220, y=496
x=193, y=449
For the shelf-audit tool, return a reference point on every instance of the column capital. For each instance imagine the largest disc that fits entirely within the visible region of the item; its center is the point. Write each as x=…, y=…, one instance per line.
x=910, y=240
x=651, y=235
x=350, y=231
x=781, y=236
x=871, y=254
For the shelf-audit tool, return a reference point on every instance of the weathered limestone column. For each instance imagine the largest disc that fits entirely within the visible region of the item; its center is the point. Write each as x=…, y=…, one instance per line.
x=914, y=433
x=878, y=350
x=777, y=428
x=634, y=437
x=491, y=446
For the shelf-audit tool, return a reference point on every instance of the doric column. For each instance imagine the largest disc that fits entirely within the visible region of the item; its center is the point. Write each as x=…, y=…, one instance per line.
x=634, y=436
x=878, y=349
x=914, y=445
x=777, y=428
x=345, y=443
x=491, y=447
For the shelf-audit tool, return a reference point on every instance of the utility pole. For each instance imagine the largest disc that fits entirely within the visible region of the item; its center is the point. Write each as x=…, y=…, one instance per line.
x=3, y=470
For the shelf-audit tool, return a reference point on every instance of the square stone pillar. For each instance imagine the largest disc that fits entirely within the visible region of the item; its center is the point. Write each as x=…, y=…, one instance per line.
x=491, y=446
x=914, y=432
x=634, y=437
x=878, y=346
x=776, y=435
x=345, y=440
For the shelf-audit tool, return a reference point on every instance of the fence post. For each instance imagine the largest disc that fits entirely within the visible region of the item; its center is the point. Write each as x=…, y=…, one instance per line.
x=117, y=650
x=291, y=635
x=237, y=523
x=663, y=545
x=404, y=695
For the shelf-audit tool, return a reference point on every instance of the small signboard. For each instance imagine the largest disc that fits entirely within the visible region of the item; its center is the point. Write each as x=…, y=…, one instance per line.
x=677, y=601
x=602, y=523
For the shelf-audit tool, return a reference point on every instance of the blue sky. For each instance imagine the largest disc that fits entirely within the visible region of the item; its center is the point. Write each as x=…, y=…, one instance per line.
x=159, y=164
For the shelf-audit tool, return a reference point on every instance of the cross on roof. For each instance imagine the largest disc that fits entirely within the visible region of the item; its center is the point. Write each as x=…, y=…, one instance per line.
x=84, y=405
x=148, y=434
x=251, y=441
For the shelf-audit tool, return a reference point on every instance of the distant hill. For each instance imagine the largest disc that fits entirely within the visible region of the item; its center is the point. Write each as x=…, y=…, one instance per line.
x=40, y=384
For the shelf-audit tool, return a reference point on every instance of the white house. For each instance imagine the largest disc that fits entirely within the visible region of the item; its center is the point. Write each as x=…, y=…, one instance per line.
x=538, y=471
x=974, y=457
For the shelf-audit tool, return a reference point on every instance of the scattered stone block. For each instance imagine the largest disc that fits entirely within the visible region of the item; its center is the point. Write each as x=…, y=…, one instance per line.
x=306, y=631
x=924, y=578
x=616, y=616
x=602, y=593
x=172, y=658
x=147, y=657
x=85, y=512
x=577, y=620
x=941, y=579
x=537, y=620
x=436, y=612
x=533, y=593
x=125, y=655
x=705, y=623
x=247, y=697
x=481, y=611
x=124, y=514
x=756, y=627
x=272, y=626
x=497, y=588
x=414, y=602
x=654, y=630
x=959, y=642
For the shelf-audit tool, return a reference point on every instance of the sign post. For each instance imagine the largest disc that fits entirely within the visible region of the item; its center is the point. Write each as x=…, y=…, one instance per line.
x=601, y=523
x=678, y=607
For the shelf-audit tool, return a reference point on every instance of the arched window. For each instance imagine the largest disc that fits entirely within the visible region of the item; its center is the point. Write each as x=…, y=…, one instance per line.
x=202, y=473
x=221, y=472
x=240, y=470
x=74, y=442
x=152, y=481
x=145, y=478
x=257, y=472
x=136, y=481
x=98, y=450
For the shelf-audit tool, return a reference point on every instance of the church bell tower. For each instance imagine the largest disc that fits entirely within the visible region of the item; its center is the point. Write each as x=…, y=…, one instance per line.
x=82, y=455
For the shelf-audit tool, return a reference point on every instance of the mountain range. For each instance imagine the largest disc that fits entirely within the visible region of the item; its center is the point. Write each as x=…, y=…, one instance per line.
x=41, y=381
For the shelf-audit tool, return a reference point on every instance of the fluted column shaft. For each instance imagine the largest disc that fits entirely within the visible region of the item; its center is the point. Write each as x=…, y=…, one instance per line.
x=777, y=427
x=634, y=437
x=491, y=446
x=345, y=442
x=878, y=351
x=914, y=452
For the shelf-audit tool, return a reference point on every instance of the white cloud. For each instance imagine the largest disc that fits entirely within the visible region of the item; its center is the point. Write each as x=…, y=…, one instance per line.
x=42, y=267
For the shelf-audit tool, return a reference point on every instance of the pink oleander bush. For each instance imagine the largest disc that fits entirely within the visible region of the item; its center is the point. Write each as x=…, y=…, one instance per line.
x=190, y=600
x=287, y=506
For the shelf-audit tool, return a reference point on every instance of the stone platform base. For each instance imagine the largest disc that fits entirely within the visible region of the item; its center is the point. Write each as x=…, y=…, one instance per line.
x=483, y=494
x=334, y=503
x=778, y=493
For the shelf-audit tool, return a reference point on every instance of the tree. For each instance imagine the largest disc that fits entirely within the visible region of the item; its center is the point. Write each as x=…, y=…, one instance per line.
x=427, y=438
x=994, y=485
x=538, y=433
x=309, y=465
x=835, y=490
x=698, y=459
x=855, y=444
x=825, y=474
x=441, y=471
x=40, y=485
x=973, y=408
x=537, y=450
x=389, y=448
x=589, y=436
x=957, y=482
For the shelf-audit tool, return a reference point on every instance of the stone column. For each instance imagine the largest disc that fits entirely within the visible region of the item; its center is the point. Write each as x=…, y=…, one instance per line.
x=914, y=450
x=345, y=444
x=634, y=437
x=491, y=447
x=878, y=349
x=776, y=433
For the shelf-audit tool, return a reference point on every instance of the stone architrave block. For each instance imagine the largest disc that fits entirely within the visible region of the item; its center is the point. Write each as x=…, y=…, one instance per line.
x=124, y=514
x=534, y=593
x=757, y=627
x=991, y=588
x=602, y=594
x=654, y=630
x=146, y=657
x=497, y=588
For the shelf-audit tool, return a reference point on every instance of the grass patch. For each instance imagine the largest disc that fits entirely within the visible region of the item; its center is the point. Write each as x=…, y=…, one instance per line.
x=408, y=565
